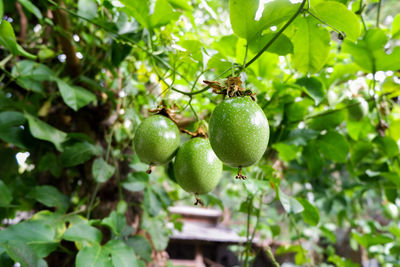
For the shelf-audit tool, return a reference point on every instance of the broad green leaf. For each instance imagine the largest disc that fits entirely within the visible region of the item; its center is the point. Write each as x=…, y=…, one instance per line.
x=79, y=153
x=181, y=4
x=141, y=246
x=300, y=137
x=327, y=120
x=83, y=232
x=8, y=40
x=50, y=162
x=360, y=150
x=296, y=111
x=101, y=170
x=265, y=65
x=396, y=27
x=226, y=45
x=334, y=146
x=370, y=52
x=94, y=256
x=10, y=128
x=139, y=9
x=158, y=233
x=74, y=96
x=23, y=254
x=30, y=75
x=289, y=203
x=346, y=22
x=44, y=131
x=50, y=197
x=5, y=194
x=242, y=15
x=31, y=8
x=281, y=46
x=1, y=9
x=387, y=145
x=313, y=160
x=87, y=8
x=310, y=212
x=9, y=164
x=311, y=45
x=312, y=87
x=115, y=221
x=163, y=14
x=287, y=152
x=151, y=202
x=136, y=181
x=39, y=236
x=122, y=255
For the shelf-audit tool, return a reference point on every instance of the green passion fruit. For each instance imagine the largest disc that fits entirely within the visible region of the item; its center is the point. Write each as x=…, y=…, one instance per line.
x=239, y=132
x=358, y=108
x=197, y=169
x=156, y=140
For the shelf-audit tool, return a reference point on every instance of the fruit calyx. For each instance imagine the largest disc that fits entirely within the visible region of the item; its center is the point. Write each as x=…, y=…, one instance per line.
x=240, y=174
x=231, y=88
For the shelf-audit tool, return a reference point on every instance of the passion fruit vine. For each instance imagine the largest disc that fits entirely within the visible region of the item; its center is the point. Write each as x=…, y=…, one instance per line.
x=156, y=140
x=239, y=132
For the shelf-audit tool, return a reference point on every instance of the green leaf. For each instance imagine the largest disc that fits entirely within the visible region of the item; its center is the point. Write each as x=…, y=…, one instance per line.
x=74, y=96
x=387, y=145
x=159, y=234
x=242, y=15
x=30, y=75
x=141, y=246
x=346, y=22
x=311, y=45
x=182, y=4
x=287, y=152
x=312, y=87
x=94, y=256
x=396, y=27
x=334, y=146
x=327, y=120
x=115, y=221
x=50, y=162
x=360, y=150
x=301, y=137
x=44, y=131
x=79, y=153
x=101, y=170
x=5, y=194
x=23, y=254
x=163, y=14
x=281, y=46
x=289, y=203
x=313, y=160
x=87, y=8
x=1, y=9
x=139, y=9
x=122, y=255
x=370, y=52
x=39, y=236
x=50, y=197
x=31, y=8
x=8, y=40
x=83, y=232
x=10, y=130
x=151, y=202
x=310, y=212
x=136, y=181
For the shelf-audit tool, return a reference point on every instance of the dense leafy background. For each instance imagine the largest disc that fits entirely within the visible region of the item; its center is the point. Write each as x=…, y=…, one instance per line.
x=77, y=77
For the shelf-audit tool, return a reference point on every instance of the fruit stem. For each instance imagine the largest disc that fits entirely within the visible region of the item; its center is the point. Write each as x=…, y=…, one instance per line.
x=198, y=200
x=150, y=169
x=240, y=174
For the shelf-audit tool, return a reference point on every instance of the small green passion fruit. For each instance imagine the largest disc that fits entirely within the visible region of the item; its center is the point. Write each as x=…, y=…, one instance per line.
x=358, y=108
x=197, y=169
x=156, y=140
x=239, y=132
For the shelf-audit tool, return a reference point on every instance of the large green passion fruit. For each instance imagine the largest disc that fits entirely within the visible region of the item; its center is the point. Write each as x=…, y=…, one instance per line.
x=156, y=140
x=239, y=132
x=197, y=169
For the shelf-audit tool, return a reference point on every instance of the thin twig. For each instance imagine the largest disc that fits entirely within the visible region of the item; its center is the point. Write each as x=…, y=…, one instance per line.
x=378, y=15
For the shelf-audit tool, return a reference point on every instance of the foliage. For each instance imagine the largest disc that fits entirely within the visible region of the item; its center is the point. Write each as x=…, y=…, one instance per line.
x=77, y=77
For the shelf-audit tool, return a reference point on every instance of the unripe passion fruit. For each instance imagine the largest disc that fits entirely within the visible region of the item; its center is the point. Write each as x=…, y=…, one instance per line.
x=239, y=132
x=358, y=108
x=156, y=140
x=197, y=169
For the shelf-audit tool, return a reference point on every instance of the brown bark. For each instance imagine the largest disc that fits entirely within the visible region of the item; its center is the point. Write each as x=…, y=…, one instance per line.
x=23, y=21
